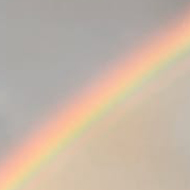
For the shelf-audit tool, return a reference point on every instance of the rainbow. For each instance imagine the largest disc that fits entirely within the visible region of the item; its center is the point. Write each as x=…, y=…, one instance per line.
x=156, y=56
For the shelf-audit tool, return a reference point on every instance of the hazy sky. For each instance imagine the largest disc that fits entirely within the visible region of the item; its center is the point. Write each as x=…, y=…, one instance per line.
x=51, y=48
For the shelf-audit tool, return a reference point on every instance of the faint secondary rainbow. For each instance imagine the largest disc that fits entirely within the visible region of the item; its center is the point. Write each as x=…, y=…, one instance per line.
x=132, y=74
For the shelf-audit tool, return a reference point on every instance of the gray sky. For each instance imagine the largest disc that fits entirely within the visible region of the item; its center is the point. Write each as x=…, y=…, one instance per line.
x=51, y=48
